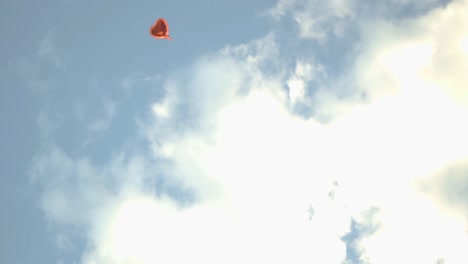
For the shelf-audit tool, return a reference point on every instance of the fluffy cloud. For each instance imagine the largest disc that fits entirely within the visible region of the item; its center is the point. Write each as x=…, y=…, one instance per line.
x=265, y=184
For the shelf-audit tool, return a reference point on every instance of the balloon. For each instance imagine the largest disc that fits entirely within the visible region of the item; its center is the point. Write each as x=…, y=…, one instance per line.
x=160, y=29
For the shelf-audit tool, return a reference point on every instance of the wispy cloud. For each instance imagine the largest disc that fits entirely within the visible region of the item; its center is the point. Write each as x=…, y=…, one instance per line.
x=316, y=19
x=102, y=123
x=47, y=51
x=39, y=72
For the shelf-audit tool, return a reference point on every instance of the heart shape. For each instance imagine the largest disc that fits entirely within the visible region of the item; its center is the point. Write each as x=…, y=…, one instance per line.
x=160, y=29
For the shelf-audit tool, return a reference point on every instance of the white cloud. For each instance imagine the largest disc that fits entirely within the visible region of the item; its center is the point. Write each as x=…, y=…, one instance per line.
x=420, y=119
x=74, y=190
x=297, y=83
x=320, y=20
x=447, y=188
x=316, y=19
x=228, y=133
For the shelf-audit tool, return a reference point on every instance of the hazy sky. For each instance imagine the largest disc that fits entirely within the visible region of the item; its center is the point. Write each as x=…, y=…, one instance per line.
x=290, y=131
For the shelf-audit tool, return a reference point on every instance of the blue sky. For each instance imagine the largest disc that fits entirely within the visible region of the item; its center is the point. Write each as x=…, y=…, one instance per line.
x=290, y=131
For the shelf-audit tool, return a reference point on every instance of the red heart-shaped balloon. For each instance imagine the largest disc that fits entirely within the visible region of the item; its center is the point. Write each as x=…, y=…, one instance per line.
x=160, y=29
